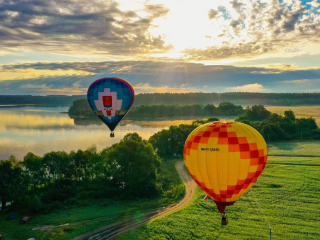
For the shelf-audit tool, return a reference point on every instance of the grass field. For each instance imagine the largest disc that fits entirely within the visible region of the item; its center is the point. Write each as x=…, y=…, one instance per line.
x=299, y=111
x=286, y=199
x=100, y=213
x=295, y=148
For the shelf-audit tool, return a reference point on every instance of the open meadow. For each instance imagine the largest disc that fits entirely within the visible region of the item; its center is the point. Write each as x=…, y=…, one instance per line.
x=92, y=215
x=295, y=148
x=286, y=198
x=299, y=111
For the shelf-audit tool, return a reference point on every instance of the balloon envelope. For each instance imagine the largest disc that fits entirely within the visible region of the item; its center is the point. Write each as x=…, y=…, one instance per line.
x=225, y=159
x=110, y=99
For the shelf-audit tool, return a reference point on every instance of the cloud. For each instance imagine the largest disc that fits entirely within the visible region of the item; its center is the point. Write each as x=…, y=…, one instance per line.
x=271, y=28
x=236, y=5
x=146, y=88
x=256, y=87
x=277, y=68
x=212, y=14
x=153, y=76
x=242, y=30
x=314, y=3
x=234, y=23
x=165, y=89
x=29, y=71
x=34, y=86
x=74, y=26
x=290, y=19
x=302, y=81
x=66, y=91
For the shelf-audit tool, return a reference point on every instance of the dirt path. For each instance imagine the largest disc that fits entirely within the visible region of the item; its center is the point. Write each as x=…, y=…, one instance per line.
x=112, y=231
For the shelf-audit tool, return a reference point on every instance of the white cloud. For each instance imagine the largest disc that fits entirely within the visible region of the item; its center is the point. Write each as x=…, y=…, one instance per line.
x=270, y=30
x=314, y=3
x=142, y=85
x=256, y=87
x=301, y=81
x=43, y=86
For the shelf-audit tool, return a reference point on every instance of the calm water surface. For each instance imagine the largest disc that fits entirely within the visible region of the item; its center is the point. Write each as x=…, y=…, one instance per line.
x=45, y=129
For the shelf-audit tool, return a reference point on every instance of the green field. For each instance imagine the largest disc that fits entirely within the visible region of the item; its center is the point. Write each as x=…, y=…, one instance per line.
x=94, y=215
x=295, y=148
x=286, y=198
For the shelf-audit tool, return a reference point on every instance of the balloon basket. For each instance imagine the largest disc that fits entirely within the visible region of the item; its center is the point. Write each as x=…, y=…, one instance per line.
x=111, y=134
x=224, y=219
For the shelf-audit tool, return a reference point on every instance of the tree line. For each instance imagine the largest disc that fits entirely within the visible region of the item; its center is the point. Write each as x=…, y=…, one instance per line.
x=276, y=127
x=126, y=170
x=272, y=126
x=243, y=98
x=82, y=109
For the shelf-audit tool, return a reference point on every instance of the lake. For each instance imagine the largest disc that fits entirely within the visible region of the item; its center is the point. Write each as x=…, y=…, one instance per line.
x=45, y=129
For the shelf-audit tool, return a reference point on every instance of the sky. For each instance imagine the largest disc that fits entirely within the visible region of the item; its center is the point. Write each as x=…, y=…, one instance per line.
x=60, y=47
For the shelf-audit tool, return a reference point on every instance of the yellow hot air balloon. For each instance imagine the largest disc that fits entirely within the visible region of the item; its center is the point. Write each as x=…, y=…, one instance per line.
x=225, y=159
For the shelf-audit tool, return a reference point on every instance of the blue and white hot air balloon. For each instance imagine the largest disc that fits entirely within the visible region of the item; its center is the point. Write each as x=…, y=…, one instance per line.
x=110, y=98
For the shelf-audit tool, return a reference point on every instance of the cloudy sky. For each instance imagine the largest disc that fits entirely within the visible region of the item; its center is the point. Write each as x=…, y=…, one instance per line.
x=61, y=47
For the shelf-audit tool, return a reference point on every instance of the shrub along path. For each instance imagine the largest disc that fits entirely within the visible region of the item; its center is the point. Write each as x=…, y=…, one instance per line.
x=111, y=231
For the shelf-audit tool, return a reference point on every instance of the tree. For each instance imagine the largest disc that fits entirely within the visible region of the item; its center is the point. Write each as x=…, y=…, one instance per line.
x=267, y=132
x=34, y=169
x=10, y=180
x=197, y=123
x=274, y=118
x=210, y=109
x=160, y=142
x=35, y=204
x=307, y=124
x=131, y=137
x=290, y=115
x=213, y=119
x=242, y=118
x=93, y=162
x=58, y=165
x=257, y=113
x=136, y=164
x=167, y=142
x=229, y=109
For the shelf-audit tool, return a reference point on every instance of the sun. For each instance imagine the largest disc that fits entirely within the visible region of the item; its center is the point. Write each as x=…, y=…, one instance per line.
x=187, y=25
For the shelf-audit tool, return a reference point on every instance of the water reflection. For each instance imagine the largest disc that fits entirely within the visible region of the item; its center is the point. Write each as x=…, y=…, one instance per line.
x=154, y=123
x=41, y=130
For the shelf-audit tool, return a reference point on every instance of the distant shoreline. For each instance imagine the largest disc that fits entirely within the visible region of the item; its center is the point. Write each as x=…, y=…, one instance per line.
x=33, y=105
x=18, y=105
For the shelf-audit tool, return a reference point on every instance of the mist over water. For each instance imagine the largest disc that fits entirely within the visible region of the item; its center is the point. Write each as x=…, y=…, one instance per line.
x=45, y=129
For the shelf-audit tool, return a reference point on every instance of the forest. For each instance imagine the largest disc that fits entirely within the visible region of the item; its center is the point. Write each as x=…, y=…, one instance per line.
x=243, y=98
x=272, y=126
x=81, y=109
x=58, y=179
